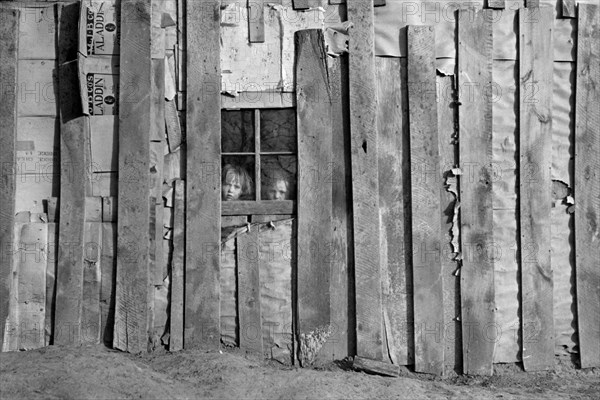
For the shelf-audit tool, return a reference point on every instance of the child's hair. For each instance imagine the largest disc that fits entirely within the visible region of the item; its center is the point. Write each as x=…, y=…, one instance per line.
x=244, y=178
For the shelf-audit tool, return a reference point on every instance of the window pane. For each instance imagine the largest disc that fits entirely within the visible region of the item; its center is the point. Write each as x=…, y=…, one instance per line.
x=278, y=175
x=237, y=131
x=237, y=178
x=278, y=130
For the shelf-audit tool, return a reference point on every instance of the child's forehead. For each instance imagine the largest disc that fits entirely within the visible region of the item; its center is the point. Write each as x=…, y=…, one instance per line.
x=232, y=176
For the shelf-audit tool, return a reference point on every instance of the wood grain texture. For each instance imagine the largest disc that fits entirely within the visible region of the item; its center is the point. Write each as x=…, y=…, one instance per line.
x=203, y=185
x=74, y=159
x=256, y=21
x=340, y=343
x=313, y=99
x=177, y=269
x=91, y=319
x=108, y=274
x=248, y=278
x=391, y=126
x=475, y=155
x=365, y=187
x=9, y=28
x=173, y=126
x=264, y=207
x=587, y=185
x=535, y=149
x=135, y=107
x=425, y=201
x=568, y=8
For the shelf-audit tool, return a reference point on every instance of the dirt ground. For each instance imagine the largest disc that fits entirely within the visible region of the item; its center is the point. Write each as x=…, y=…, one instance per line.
x=95, y=372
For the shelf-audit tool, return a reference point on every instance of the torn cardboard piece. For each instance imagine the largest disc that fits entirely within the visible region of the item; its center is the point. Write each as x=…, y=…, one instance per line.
x=99, y=27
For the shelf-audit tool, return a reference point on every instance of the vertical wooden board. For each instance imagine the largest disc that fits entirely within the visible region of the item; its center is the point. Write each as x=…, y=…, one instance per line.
x=228, y=286
x=587, y=185
x=177, y=270
x=157, y=127
x=448, y=150
x=425, y=201
x=390, y=129
x=51, y=256
x=203, y=185
x=248, y=277
x=365, y=187
x=91, y=320
x=535, y=150
x=158, y=33
x=339, y=344
x=131, y=324
x=74, y=159
x=9, y=27
x=108, y=266
x=475, y=154
x=256, y=21
x=31, y=269
x=313, y=99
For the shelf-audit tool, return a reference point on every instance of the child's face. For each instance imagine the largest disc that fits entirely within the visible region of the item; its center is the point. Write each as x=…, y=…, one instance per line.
x=278, y=191
x=231, y=188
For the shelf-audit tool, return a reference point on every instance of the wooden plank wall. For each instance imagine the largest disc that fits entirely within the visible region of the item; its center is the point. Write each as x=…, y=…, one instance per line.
x=9, y=20
x=587, y=184
x=475, y=149
x=313, y=99
x=133, y=220
x=203, y=194
x=535, y=150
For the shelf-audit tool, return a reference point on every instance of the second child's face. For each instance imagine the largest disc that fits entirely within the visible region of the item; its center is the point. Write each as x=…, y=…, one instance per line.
x=232, y=189
x=278, y=191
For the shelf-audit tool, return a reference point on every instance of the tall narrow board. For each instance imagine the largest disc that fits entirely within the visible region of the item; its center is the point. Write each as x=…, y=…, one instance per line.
x=256, y=21
x=475, y=155
x=203, y=185
x=535, y=197
x=365, y=185
x=133, y=217
x=75, y=136
x=340, y=343
x=51, y=255
x=390, y=129
x=30, y=266
x=587, y=185
x=248, y=278
x=177, y=269
x=92, y=257
x=9, y=21
x=313, y=99
x=426, y=194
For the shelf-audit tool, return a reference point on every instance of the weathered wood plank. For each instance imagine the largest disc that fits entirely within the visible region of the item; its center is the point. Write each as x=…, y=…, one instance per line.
x=108, y=271
x=9, y=28
x=248, y=278
x=258, y=100
x=568, y=9
x=475, y=156
x=425, y=201
x=203, y=201
x=135, y=107
x=92, y=257
x=30, y=265
x=375, y=367
x=256, y=21
x=535, y=197
x=173, y=126
x=365, y=185
x=177, y=269
x=265, y=207
x=587, y=185
x=74, y=160
x=313, y=99
x=390, y=129
x=496, y=4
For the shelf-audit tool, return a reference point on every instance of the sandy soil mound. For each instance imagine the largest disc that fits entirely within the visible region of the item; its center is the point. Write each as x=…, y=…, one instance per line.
x=95, y=372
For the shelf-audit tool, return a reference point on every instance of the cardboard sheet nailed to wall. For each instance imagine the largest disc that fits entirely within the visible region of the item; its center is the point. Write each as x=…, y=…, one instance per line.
x=99, y=85
x=98, y=28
